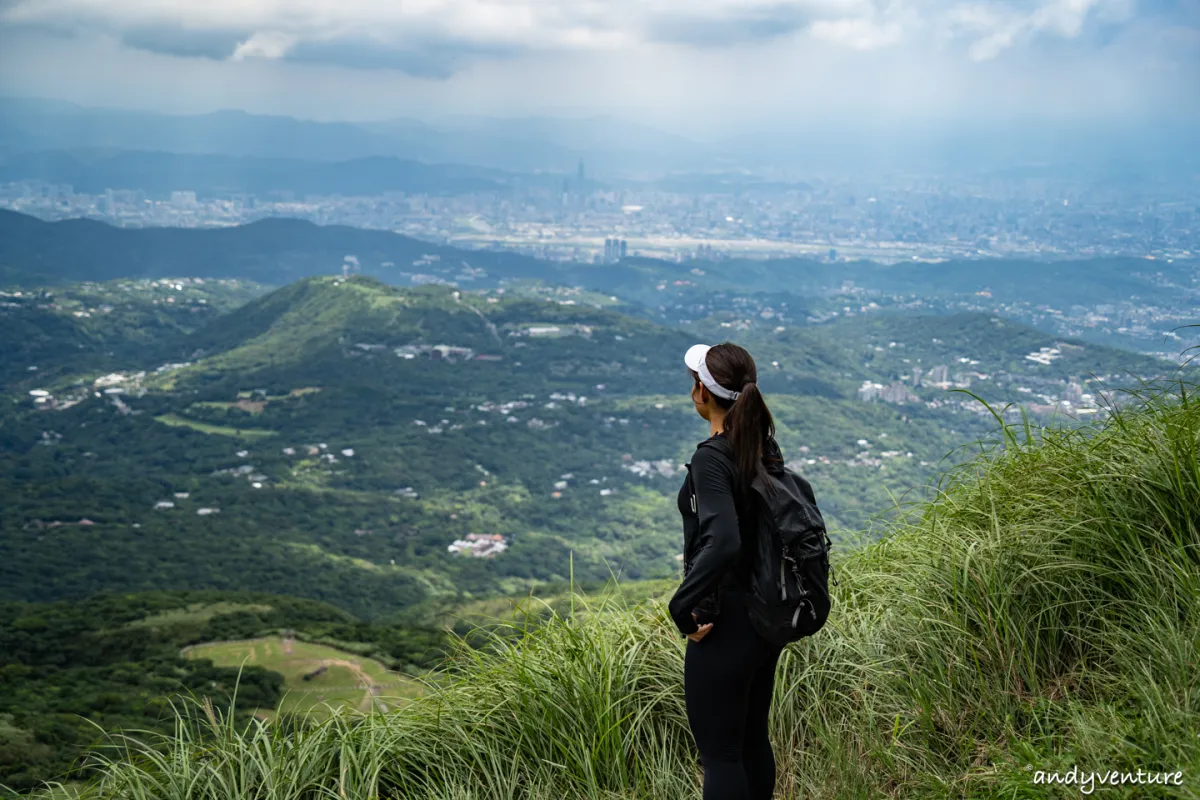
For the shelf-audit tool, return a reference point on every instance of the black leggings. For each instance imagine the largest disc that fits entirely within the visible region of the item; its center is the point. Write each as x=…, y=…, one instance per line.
x=728, y=680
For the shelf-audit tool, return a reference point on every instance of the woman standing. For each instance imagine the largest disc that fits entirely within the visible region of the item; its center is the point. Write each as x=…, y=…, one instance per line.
x=729, y=669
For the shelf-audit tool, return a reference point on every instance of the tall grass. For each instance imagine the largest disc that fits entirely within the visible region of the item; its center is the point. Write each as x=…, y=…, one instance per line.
x=1042, y=612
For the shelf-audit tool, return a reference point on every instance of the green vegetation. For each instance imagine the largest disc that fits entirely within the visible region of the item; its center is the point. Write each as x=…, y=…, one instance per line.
x=294, y=448
x=317, y=677
x=1042, y=612
x=70, y=670
x=326, y=442
x=196, y=612
x=55, y=334
x=175, y=420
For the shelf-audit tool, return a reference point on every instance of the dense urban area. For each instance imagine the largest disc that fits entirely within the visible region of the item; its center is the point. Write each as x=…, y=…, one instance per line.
x=579, y=218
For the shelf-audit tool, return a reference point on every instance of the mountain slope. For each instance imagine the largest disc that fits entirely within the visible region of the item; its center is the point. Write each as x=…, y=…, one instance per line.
x=334, y=438
x=1036, y=624
x=275, y=251
x=343, y=433
x=56, y=333
x=984, y=352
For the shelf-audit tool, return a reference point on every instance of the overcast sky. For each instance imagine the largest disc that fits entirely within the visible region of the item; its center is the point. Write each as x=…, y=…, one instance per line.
x=701, y=66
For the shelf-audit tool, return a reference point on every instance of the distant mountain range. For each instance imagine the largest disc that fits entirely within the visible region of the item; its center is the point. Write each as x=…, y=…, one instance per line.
x=277, y=251
x=95, y=170
x=528, y=144
x=610, y=147
x=273, y=251
x=158, y=174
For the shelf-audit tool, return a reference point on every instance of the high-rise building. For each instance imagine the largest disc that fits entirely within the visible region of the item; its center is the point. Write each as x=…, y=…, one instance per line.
x=614, y=249
x=916, y=376
x=184, y=199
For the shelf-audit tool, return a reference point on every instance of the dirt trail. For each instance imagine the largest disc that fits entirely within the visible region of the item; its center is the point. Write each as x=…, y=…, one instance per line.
x=364, y=680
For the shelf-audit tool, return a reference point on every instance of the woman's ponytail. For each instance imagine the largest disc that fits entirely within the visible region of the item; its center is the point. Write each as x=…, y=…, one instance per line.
x=749, y=424
x=748, y=421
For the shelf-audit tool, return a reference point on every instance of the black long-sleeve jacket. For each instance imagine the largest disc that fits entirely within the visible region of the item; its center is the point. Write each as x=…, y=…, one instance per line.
x=717, y=533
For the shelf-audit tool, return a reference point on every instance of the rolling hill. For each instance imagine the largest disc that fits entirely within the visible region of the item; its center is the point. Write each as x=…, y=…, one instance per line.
x=333, y=438
x=272, y=251
x=120, y=660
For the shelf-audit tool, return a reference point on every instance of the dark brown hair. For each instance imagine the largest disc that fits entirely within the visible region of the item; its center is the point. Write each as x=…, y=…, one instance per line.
x=748, y=421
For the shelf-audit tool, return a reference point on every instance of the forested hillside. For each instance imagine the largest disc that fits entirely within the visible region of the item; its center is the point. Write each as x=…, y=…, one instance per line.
x=69, y=671
x=1038, y=618
x=333, y=438
x=310, y=463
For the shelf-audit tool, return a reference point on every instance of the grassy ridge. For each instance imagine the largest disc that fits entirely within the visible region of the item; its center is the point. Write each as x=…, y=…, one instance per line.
x=1042, y=612
x=316, y=676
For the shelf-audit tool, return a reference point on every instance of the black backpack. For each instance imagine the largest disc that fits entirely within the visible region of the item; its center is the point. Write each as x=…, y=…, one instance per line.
x=789, y=571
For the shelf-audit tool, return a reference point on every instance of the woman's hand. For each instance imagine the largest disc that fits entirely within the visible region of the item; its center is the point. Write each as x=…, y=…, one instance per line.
x=700, y=632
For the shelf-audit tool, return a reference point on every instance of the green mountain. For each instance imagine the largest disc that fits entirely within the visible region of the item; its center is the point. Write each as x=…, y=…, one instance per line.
x=273, y=251
x=1030, y=631
x=304, y=459
x=116, y=661
x=55, y=333
x=990, y=355
x=333, y=438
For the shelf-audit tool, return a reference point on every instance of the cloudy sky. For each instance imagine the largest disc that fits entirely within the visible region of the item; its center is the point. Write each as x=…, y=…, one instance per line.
x=699, y=65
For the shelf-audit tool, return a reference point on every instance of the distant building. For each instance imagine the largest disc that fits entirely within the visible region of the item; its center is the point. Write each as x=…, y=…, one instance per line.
x=895, y=392
x=869, y=391
x=1073, y=394
x=614, y=250
x=939, y=374
x=480, y=545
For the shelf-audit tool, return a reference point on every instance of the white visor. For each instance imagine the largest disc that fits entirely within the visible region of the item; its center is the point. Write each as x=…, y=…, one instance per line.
x=695, y=360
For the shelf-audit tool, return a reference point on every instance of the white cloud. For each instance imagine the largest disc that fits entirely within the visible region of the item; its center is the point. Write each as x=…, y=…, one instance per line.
x=860, y=34
x=993, y=27
x=680, y=64
x=273, y=28
x=269, y=44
